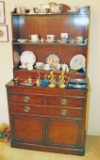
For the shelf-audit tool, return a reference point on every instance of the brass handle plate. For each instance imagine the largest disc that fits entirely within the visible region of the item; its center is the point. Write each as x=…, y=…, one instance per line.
x=26, y=99
x=64, y=102
x=27, y=109
x=63, y=112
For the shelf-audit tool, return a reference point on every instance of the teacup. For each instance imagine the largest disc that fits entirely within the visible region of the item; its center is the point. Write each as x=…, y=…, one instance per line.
x=65, y=67
x=34, y=37
x=64, y=36
x=58, y=66
x=56, y=8
x=39, y=64
x=29, y=66
x=20, y=9
x=46, y=67
x=74, y=8
x=51, y=37
x=79, y=39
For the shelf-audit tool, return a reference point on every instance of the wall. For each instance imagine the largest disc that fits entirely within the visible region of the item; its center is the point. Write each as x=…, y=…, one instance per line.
x=93, y=109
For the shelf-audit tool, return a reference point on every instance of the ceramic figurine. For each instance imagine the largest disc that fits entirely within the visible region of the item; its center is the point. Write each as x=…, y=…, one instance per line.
x=38, y=81
x=65, y=67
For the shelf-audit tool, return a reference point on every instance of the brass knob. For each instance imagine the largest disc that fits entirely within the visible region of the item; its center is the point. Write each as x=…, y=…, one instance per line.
x=26, y=99
x=63, y=112
x=64, y=102
x=27, y=109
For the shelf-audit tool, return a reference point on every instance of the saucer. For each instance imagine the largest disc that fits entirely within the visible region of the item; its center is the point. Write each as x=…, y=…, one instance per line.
x=56, y=11
x=46, y=69
x=61, y=41
x=38, y=67
x=33, y=41
x=22, y=40
x=50, y=41
x=72, y=11
x=22, y=67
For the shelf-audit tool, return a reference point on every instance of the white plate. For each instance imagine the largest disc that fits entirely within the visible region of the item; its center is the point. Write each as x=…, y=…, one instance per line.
x=27, y=57
x=52, y=59
x=22, y=40
x=16, y=58
x=77, y=62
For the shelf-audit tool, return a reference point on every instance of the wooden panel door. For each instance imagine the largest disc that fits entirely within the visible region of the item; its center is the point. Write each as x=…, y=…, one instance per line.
x=62, y=132
x=28, y=129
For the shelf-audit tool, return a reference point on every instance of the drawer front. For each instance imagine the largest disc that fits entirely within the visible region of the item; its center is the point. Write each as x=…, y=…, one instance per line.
x=26, y=109
x=63, y=112
x=26, y=98
x=64, y=101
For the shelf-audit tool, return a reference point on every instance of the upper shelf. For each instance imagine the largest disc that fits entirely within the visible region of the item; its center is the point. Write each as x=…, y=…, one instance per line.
x=49, y=14
x=47, y=43
x=66, y=10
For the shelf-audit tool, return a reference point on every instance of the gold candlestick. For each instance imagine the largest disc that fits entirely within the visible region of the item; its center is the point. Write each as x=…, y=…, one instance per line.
x=52, y=80
x=62, y=81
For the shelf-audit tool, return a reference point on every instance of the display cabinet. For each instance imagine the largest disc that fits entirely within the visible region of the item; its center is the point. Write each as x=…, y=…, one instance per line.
x=43, y=118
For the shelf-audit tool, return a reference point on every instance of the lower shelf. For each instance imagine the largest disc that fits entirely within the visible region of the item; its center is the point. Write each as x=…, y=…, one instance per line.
x=68, y=150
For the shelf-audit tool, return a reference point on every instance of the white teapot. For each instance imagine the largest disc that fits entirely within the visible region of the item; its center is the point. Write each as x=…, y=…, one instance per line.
x=65, y=67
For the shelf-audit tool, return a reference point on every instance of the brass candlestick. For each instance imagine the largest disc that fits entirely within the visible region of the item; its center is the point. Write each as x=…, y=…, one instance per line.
x=52, y=80
x=62, y=81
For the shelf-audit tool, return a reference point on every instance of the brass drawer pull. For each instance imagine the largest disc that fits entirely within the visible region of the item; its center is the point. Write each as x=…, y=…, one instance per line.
x=63, y=112
x=26, y=99
x=64, y=102
x=27, y=109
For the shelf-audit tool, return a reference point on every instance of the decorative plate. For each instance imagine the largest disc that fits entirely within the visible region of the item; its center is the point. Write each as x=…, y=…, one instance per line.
x=52, y=59
x=16, y=58
x=27, y=83
x=77, y=62
x=27, y=57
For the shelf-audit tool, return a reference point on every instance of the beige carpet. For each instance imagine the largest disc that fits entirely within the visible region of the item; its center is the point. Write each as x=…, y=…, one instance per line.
x=92, y=152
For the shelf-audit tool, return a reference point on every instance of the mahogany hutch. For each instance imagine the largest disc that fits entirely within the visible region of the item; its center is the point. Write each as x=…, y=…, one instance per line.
x=43, y=118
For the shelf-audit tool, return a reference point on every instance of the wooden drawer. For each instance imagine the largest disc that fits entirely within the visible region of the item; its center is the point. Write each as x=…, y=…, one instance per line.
x=64, y=101
x=26, y=109
x=25, y=98
x=63, y=112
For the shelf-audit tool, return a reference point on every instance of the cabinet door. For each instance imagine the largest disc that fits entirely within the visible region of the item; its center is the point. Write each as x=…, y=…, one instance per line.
x=62, y=132
x=28, y=129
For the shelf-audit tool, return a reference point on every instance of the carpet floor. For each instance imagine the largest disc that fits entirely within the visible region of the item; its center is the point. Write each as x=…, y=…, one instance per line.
x=92, y=152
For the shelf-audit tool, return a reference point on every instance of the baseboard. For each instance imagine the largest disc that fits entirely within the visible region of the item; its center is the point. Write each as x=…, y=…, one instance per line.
x=93, y=133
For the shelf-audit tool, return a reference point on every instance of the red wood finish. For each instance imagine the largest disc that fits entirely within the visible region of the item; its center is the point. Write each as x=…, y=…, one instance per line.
x=43, y=118
x=76, y=24
x=63, y=132
x=22, y=131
